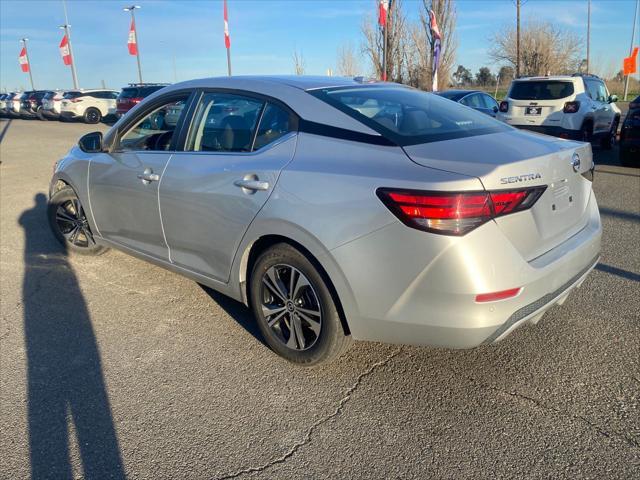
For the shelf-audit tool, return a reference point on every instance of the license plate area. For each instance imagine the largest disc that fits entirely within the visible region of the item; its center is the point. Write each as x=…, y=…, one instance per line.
x=562, y=198
x=533, y=111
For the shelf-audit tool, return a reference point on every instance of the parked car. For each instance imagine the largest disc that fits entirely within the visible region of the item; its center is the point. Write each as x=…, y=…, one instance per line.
x=31, y=104
x=3, y=108
x=418, y=222
x=89, y=105
x=575, y=106
x=630, y=136
x=133, y=94
x=476, y=99
x=12, y=103
x=51, y=104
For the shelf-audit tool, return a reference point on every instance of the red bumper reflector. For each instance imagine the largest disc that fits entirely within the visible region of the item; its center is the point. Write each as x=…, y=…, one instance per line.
x=495, y=296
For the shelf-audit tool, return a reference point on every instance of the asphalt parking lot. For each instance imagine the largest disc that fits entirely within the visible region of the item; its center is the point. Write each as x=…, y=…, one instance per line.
x=111, y=367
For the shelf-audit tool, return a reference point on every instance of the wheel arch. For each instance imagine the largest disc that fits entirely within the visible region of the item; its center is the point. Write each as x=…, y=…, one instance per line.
x=262, y=243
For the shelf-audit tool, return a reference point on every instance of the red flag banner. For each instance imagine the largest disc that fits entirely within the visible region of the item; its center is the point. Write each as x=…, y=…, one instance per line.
x=132, y=43
x=22, y=58
x=383, y=10
x=227, y=39
x=630, y=64
x=64, y=50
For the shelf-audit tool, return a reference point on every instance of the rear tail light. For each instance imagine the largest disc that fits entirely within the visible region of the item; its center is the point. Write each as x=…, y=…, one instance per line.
x=76, y=100
x=135, y=100
x=504, y=106
x=571, y=107
x=495, y=296
x=455, y=213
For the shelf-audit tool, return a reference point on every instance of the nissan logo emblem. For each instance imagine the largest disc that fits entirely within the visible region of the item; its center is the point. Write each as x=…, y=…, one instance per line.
x=575, y=162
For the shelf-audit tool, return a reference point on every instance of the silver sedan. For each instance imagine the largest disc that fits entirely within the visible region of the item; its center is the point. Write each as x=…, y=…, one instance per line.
x=338, y=210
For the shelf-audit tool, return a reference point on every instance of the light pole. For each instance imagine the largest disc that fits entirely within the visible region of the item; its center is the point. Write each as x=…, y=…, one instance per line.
x=66, y=27
x=633, y=36
x=517, y=38
x=26, y=52
x=135, y=29
x=588, y=32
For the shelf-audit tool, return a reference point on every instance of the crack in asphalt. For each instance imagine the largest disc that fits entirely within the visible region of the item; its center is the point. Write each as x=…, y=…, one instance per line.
x=307, y=437
x=610, y=435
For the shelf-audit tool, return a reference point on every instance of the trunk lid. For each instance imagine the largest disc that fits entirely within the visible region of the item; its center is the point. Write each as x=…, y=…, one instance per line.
x=516, y=160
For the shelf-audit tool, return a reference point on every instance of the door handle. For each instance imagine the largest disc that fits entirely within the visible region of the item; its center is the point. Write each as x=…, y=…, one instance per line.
x=252, y=185
x=148, y=176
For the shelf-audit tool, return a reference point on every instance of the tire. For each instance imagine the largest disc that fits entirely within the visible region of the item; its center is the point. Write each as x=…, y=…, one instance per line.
x=586, y=133
x=316, y=335
x=627, y=160
x=609, y=140
x=92, y=115
x=70, y=228
x=40, y=115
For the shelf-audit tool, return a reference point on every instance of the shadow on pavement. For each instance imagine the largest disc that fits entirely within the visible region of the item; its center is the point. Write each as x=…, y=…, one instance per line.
x=236, y=310
x=3, y=132
x=66, y=388
x=635, y=277
x=621, y=214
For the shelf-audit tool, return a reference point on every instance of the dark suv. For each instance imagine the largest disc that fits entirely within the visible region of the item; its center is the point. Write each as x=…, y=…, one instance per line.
x=31, y=103
x=133, y=94
x=630, y=136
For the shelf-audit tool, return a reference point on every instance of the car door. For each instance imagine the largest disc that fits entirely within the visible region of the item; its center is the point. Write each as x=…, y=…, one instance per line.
x=123, y=183
x=490, y=105
x=608, y=114
x=597, y=107
x=210, y=192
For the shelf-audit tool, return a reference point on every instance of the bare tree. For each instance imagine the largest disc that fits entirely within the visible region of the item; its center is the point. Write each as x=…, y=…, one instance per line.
x=298, y=63
x=545, y=48
x=348, y=63
x=397, y=37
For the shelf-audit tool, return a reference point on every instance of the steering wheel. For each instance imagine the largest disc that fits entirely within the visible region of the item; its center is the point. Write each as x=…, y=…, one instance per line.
x=163, y=141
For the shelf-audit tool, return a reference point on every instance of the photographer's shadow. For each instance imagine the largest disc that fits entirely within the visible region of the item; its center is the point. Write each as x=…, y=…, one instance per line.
x=65, y=382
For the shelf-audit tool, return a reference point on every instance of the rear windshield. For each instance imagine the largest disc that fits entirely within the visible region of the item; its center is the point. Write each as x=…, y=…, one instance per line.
x=407, y=116
x=541, y=90
x=49, y=95
x=71, y=95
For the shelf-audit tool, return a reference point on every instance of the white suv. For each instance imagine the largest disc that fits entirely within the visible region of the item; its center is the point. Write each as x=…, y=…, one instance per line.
x=90, y=105
x=577, y=107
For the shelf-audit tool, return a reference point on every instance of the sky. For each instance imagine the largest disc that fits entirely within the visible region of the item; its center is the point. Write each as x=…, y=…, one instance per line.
x=264, y=35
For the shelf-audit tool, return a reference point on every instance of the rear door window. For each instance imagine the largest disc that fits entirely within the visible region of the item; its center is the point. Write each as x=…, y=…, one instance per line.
x=274, y=123
x=540, y=90
x=224, y=123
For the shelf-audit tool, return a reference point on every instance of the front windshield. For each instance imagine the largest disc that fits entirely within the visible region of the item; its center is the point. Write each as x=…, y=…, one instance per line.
x=408, y=116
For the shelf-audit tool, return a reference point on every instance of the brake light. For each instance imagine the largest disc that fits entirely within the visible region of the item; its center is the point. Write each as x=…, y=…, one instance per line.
x=495, y=296
x=455, y=213
x=504, y=106
x=135, y=100
x=571, y=107
x=76, y=100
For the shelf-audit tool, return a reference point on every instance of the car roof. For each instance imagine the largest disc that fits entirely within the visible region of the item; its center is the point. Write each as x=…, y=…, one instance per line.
x=550, y=77
x=460, y=91
x=290, y=90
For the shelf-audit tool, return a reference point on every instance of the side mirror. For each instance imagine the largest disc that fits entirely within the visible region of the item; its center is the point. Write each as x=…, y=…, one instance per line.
x=91, y=142
x=612, y=98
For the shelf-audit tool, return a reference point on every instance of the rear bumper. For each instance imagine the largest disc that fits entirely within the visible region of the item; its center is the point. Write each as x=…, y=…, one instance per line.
x=24, y=113
x=50, y=113
x=553, y=131
x=424, y=293
x=68, y=114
